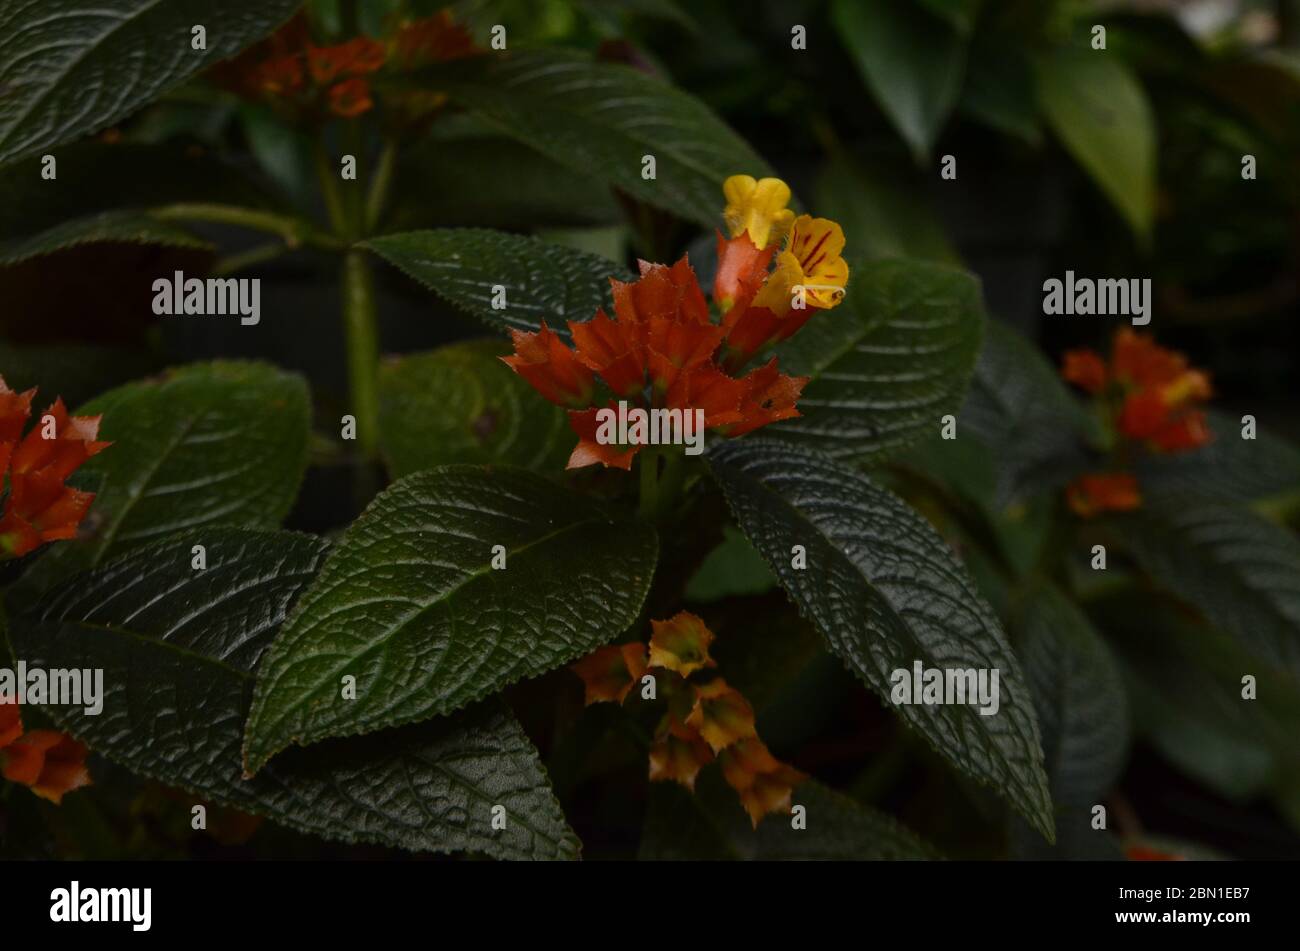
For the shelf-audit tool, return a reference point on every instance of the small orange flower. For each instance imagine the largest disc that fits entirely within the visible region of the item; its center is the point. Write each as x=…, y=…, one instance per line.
x=1085, y=369
x=678, y=753
x=1105, y=492
x=612, y=350
x=433, y=39
x=610, y=672
x=357, y=57
x=591, y=450
x=40, y=507
x=350, y=98
x=764, y=783
x=553, y=369
x=721, y=715
x=681, y=644
x=769, y=397
x=52, y=764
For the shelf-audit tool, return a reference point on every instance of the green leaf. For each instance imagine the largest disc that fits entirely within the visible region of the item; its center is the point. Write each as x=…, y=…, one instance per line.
x=888, y=363
x=542, y=281
x=911, y=61
x=733, y=568
x=461, y=404
x=1079, y=695
x=1240, y=571
x=209, y=444
x=411, y=606
x=76, y=372
x=1228, y=467
x=602, y=120
x=179, y=647
x=71, y=67
x=710, y=825
x=999, y=89
x=112, y=227
x=1100, y=113
x=885, y=591
x=1019, y=408
x=493, y=182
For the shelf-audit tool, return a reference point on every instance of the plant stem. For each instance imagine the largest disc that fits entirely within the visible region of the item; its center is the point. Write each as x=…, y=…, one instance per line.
x=293, y=231
x=362, y=341
x=233, y=263
x=380, y=185
x=329, y=187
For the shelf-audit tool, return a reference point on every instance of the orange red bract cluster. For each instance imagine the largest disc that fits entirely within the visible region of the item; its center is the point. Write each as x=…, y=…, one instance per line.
x=703, y=721
x=663, y=348
x=40, y=507
x=1151, y=397
x=288, y=68
x=51, y=764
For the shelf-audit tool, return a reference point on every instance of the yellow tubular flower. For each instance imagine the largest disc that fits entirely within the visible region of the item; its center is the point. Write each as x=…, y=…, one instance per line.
x=757, y=207
x=812, y=261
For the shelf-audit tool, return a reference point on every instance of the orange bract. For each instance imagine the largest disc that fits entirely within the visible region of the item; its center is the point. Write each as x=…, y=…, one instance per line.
x=52, y=764
x=1107, y=492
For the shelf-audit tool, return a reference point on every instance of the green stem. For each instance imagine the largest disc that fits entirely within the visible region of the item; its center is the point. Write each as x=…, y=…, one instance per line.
x=294, y=232
x=362, y=340
x=329, y=187
x=380, y=185
x=233, y=263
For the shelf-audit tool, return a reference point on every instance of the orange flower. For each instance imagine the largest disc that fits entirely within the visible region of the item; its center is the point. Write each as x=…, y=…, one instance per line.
x=52, y=764
x=40, y=507
x=551, y=368
x=612, y=350
x=350, y=98
x=356, y=57
x=721, y=715
x=610, y=672
x=1085, y=369
x=678, y=753
x=764, y=783
x=741, y=273
x=591, y=450
x=1144, y=853
x=1105, y=492
x=681, y=644
x=433, y=39
x=769, y=397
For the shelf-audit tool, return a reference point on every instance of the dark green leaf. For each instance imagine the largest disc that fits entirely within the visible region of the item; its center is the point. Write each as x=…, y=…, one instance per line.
x=888, y=363
x=112, y=227
x=603, y=119
x=542, y=281
x=209, y=444
x=179, y=648
x=1079, y=696
x=710, y=825
x=1241, y=571
x=885, y=591
x=733, y=568
x=910, y=60
x=460, y=403
x=70, y=67
x=76, y=372
x=410, y=605
x=1099, y=111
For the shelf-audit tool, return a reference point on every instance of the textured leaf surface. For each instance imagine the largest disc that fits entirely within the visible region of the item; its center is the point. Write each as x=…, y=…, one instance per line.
x=712, y=826
x=1228, y=467
x=178, y=648
x=69, y=67
x=1022, y=412
x=1241, y=571
x=888, y=363
x=911, y=61
x=602, y=119
x=209, y=444
x=410, y=605
x=1099, y=111
x=885, y=590
x=461, y=404
x=108, y=228
x=542, y=281
x=1079, y=696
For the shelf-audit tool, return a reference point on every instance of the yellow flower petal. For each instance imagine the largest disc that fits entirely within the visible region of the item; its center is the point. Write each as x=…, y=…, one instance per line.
x=757, y=207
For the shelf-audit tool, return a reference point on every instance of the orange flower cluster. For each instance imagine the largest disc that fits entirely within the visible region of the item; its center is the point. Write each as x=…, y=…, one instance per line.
x=40, y=507
x=1151, y=397
x=288, y=67
x=52, y=764
x=703, y=720
x=663, y=350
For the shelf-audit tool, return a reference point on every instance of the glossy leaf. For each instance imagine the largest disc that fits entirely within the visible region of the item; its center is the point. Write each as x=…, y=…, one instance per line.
x=888, y=363
x=107, y=228
x=411, y=606
x=179, y=648
x=461, y=404
x=602, y=120
x=885, y=591
x=73, y=67
x=209, y=444
x=541, y=281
